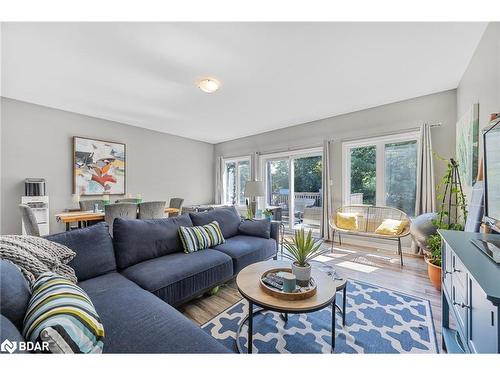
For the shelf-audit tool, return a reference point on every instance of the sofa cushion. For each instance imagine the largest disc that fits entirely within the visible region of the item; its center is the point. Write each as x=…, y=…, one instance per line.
x=138, y=240
x=202, y=237
x=245, y=250
x=178, y=277
x=227, y=217
x=93, y=247
x=15, y=293
x=62, y=314
x=138, y=322
x=8, y=331
x=257, y=228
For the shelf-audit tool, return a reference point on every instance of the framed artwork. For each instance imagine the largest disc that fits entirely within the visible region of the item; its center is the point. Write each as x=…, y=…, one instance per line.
x=467, y=146
x=98, y=167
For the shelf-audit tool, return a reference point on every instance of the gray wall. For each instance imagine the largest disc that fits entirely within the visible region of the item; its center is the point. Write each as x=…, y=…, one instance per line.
x=37, y=142
x=481, y=80
x=408, y=114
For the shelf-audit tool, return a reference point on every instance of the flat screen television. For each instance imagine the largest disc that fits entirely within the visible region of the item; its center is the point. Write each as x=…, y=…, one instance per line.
x=491, y=144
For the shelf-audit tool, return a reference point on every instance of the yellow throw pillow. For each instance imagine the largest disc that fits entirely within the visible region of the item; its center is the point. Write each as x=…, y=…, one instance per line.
x=391, y=227
x=347, y=221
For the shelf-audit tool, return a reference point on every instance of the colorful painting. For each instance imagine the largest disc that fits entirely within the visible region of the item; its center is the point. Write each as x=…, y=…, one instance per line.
x=467, y=149
x=98, y=167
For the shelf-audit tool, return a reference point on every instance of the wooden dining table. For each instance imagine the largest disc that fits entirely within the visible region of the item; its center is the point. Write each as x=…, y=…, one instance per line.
x=83, y=217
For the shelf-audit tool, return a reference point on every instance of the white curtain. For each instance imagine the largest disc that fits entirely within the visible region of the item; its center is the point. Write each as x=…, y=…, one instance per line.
x=326, y=191
x=255, y=161
x=219, y=180
x=426, y=194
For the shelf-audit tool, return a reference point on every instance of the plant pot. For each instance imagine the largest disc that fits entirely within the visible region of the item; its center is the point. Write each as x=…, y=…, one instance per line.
x=303, y=274
x=434, y=273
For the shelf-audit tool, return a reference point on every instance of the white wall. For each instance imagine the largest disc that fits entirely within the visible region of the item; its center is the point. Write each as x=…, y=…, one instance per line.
x=37, y=142
x=481, y=80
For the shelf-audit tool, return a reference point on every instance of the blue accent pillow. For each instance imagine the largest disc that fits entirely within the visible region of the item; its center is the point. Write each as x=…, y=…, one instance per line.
x=15, y=293
x=256, y=228
x=227, y=217
x=93, y=247
x=138, y=240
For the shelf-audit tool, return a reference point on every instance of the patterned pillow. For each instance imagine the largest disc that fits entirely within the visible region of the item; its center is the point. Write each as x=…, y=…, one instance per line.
x=202, y=237
x=61, y=313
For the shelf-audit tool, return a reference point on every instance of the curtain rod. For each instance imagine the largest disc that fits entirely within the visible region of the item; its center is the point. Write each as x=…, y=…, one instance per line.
x=402, y=131
x=306, y=147
x=285, y=149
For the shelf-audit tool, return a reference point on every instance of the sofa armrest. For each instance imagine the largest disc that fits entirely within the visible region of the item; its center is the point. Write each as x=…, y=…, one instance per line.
x=275, y=232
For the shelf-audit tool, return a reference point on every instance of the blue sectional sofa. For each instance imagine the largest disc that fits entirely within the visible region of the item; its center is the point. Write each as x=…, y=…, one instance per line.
x=136, y=277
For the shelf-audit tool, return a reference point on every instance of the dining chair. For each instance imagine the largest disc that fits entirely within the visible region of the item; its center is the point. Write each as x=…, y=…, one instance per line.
x=116, y=210
x=88, y=205
x=175, y=203
x=29, y=220
x=152, y=210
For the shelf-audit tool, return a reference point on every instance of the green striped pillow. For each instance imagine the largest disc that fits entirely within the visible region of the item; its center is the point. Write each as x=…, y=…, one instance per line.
x=62, y=314
x=202, y=237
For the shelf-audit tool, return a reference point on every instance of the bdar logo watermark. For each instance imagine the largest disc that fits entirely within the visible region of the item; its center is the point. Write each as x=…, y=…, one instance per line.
x=8, y=346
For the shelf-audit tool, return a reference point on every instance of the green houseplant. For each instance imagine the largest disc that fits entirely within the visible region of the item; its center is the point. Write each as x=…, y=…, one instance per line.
x=301, y=250
x=268, y=214
x=451, y=215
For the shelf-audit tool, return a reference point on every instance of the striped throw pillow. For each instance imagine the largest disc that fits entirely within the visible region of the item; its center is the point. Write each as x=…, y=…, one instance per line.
x=62, y=314
x=202, y=237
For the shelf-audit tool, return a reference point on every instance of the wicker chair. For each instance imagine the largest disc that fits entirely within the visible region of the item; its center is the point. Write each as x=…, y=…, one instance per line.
x=369, y=218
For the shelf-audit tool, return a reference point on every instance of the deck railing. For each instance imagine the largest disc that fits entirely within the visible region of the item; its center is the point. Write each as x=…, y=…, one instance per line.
x=281, y=200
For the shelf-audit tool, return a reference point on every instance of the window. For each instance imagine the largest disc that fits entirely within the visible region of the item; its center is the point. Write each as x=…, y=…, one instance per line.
x=382, y=171
x=236, y=175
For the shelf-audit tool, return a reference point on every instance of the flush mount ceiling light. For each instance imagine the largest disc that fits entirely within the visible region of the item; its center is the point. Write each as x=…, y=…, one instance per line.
x=208, y=85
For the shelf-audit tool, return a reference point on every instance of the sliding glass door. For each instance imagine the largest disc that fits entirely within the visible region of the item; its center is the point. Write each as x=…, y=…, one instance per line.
x=293, y=186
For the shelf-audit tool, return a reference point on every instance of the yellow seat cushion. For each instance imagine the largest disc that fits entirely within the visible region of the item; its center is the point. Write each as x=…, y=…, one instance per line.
x=347, y=221
x=391, y=227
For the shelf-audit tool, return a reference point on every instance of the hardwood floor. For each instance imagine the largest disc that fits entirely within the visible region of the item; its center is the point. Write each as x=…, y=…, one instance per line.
x=354, y=262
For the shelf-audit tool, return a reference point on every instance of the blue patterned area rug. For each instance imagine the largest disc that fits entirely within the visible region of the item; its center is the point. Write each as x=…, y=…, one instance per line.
x=378, y=320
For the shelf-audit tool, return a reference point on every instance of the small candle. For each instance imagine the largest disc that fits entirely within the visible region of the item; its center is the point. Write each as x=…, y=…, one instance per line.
x=289, y=282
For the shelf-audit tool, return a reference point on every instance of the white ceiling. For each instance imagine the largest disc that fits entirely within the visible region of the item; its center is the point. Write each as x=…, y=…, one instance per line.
x=273, y=75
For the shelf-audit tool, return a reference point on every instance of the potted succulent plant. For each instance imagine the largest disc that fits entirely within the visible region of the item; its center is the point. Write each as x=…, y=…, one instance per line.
x=301, y=250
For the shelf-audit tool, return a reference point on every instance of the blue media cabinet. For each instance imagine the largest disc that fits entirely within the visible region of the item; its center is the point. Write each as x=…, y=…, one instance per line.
x=470, y=295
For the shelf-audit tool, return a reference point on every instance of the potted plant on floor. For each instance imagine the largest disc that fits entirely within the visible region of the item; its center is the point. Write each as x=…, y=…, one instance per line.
x=301, y=250
x=452, y=213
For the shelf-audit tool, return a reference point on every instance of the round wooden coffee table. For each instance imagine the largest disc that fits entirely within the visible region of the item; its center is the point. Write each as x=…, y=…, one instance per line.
x=248, y=283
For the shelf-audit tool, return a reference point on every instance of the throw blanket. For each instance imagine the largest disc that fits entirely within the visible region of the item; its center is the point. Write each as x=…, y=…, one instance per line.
x=35, y=255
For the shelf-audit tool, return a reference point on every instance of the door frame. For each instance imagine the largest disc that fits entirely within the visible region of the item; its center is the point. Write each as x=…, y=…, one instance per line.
x=290, y=156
